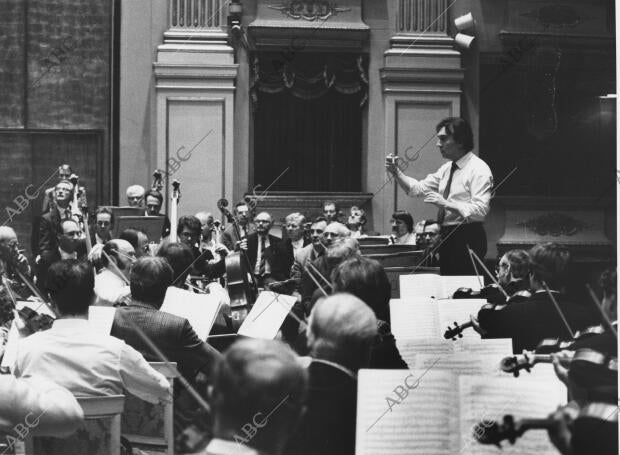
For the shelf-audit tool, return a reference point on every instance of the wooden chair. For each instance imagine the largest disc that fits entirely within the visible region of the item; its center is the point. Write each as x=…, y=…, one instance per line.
x=394, y=273
x=99, y=435
x=147, y=426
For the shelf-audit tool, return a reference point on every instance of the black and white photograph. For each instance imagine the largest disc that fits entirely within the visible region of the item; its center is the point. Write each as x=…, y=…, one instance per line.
x=309, y=227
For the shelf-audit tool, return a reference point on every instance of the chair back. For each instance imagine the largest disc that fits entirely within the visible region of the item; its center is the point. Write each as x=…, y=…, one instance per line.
x=150, y=426
x=100, y=434
x=373, y=241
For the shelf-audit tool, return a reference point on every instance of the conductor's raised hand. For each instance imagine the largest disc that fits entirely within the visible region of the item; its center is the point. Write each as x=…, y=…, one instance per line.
x=391, y=164
x=435, y=199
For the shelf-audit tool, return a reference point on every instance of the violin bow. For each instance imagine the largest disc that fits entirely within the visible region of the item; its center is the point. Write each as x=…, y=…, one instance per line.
x=315, y=270
x=33, y=288
x=318, y=285
x=599, y=306
x=469, y=251
x=115, y=267
x=484, y=267
x=557, y=307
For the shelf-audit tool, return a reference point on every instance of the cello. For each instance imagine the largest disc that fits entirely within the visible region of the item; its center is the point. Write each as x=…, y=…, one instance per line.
x=242, y=287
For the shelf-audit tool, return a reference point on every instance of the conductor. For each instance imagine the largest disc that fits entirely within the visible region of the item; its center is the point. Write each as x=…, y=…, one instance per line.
x=461, y=189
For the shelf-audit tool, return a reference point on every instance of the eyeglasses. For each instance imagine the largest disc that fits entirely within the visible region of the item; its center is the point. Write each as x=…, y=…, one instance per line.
x=262, y=221
x=74, y=234
x=103, y=223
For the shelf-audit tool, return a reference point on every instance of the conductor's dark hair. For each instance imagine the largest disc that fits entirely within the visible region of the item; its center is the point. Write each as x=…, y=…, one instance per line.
x=71, y=286
x=460, y=131
x=519, y=263
x=366, y=279
x=180, y=257
x=149, y=279
x=549, y=263
x=156, y=194
x=191, y=222
x=405, y=217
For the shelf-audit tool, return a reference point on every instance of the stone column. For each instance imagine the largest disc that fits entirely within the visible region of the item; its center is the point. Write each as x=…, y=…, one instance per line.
x=421, y=84
x=195, y=77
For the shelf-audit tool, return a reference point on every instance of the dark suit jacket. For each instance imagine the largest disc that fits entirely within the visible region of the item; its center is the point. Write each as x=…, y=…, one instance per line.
x=229, y=236
x=530, y=321
x=49, y=229
x=202, y=267
x=328, y=425
x=173, y=335
x=278, y=254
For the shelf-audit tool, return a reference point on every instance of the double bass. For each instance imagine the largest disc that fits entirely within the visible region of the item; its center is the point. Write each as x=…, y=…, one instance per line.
x=242, y=287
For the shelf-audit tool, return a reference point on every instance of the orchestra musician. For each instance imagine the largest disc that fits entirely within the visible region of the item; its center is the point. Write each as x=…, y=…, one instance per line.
x=68, y=244
x=154, y=200
x=294, y=223
x=104, y=222
x=242, y=215
x=111, y=289
x=461, y=189
x=271, y=257
x=189, y=231
x=135, y=196
x=528, y=322
x=428, y=239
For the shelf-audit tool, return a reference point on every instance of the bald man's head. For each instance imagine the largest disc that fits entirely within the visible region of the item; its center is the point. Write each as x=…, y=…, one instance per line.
x=342, y=329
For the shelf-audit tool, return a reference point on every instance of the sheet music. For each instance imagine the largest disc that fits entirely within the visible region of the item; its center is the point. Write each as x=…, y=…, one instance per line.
x=199, y=309
x=409, y=349
x=417, y=424
x=460, y=364
x=409, y=320
x=497, y=347
x=420, y=286
x=484, y=398
x=459, y=311
x=101, y=318
x=267, y=315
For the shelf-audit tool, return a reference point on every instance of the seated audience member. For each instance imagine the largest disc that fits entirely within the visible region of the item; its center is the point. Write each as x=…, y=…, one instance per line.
x=402, y=228
x=69, y=245
x=135, y=196
x=45, y=407
x=357, y=223
x=173, y=335
x=270, y=256
x=104, y=222
x=76, y=355
x=530, y=321
x=110, y=288
x=242, y=214
x=341, y=330
x=322, y=268
x=366, y=279
x=428, y=239
x=138, y=240
x=294, y=224
x=189, y=230
x=331, y=212
x=308, y=253
x=260, y=382
x=154, y=200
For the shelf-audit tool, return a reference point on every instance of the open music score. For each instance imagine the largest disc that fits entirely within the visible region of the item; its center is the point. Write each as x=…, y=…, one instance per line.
x=200, y=310
x=267, y=315
x=437, y=417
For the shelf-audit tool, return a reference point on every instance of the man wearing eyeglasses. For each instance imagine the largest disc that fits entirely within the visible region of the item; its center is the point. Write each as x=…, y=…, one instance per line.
x=310, y=252
x=267, y=254
x=69, y=245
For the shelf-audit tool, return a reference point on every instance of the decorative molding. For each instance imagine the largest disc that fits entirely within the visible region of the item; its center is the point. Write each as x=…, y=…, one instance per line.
x=554, y=224
x=309, y=10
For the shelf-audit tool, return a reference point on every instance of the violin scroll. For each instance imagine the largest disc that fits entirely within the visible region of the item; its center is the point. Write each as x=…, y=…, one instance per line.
x=454, y=332
x=491, y=432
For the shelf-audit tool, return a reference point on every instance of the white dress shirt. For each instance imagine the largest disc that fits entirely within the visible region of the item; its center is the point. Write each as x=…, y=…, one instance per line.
x=88, y=363
x=43, y=406
x=297, y=244
x=224, y=447
x=407, y=239
x=109, y=288
x=470, y=190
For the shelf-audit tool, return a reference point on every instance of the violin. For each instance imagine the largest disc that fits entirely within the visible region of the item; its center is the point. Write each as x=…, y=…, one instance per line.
x=33, y=321
x=457, y=331
x=242, y=287
x=526, y=361
x=550, y=345
x=592, y=415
